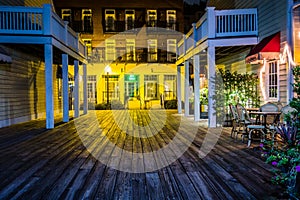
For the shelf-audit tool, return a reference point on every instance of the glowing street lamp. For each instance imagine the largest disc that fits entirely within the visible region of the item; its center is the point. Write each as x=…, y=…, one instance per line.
x=107, y=71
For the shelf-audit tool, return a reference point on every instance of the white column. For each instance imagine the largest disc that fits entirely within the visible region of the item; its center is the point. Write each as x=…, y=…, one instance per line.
x=85, y=94
x=76, y=89
x=212, y=119
x=196, y=87
x=49, y=86
x=179, y=105
x=186, y=88
x=65, y=86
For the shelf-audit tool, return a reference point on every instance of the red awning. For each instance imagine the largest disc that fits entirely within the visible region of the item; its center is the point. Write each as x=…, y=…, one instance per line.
x=268, y=48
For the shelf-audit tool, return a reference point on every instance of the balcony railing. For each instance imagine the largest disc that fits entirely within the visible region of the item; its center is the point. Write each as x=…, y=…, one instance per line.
x=120, y=26
x=140, y=56
x=17, y=20
x=218, y=24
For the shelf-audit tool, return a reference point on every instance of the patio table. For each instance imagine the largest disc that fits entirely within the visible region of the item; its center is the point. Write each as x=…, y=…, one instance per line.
x=264, y=114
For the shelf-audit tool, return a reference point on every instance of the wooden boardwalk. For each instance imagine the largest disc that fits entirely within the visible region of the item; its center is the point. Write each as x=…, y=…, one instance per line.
x=75, y=160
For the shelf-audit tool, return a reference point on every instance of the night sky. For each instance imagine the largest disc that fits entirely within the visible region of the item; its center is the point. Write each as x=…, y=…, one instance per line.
x=194, y=1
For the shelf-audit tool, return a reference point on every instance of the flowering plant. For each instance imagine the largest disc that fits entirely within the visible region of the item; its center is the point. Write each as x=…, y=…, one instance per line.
x=287, y=162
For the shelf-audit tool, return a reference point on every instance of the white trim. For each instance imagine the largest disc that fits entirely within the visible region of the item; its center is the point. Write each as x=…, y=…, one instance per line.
x=267, y=80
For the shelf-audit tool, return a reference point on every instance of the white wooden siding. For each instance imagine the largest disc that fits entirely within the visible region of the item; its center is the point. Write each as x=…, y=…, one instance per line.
x=22, y=89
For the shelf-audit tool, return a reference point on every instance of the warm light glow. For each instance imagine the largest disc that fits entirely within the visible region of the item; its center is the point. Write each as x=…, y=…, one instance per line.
x=283, y=58
x=107, y=69
x=262, y=85
x=286, y=54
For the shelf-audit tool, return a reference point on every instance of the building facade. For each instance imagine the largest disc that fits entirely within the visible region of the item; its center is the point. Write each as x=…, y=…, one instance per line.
x=131, y=48
x=259, y=37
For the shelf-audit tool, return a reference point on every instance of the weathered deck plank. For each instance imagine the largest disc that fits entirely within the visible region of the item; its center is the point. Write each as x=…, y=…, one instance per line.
x=36, y=163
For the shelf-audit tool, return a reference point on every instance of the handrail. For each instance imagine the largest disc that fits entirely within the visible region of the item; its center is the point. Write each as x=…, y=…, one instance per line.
x=218, y=24
x=19, y=20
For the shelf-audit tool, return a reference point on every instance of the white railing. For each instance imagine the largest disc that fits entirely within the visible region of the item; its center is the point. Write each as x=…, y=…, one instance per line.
x=236, y=22
x=218, y=24
x=16, y=20
x=38, y=21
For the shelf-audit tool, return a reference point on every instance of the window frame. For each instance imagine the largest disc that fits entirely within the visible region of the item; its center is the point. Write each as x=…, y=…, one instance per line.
x=273, y=73
x=169, y=15
x=130, y=49
x=66, y=13
x=107, y=15
x=152, y=22
x=110, y=44
x=126, y=19
x=152, y=44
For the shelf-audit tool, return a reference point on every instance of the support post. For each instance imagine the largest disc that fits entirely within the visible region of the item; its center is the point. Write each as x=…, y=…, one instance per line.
x=49, y=86
x=186, y=89
x=196, y=87
x=212, y=118
x=85, y=94
x=211, y=18
x=76, y=89
x=65, y=87
x=179, y=105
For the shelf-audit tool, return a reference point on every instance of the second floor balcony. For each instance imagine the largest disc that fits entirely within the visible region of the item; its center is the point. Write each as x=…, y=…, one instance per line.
x=99, y=55
x=220, y=24
x=120, y=26
x=37, y=23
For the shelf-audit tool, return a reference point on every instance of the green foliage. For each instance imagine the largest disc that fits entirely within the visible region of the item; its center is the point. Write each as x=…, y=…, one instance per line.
x=204, y=96
x=240, y=88
x=287, y=157
x=101, y=106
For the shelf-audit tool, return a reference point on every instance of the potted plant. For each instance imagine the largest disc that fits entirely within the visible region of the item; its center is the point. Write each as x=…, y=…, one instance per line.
x=204, y=102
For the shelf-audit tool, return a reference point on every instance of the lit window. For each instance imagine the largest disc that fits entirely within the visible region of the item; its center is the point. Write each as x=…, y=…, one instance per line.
x=152, y=50
x=88, y=44
x=152, y=17
x=66, y=15
x=129, y=19
x=130, y=49
x=92, y=88
x=273, y=86
x=151, y=86
x=110, y=50
x=110, y=17
x=171, y=19
x=171, y=49
x=87, y=23
x=170, y=87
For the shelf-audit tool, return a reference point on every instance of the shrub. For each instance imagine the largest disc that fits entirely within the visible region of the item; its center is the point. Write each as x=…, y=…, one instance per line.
x=171, y=104
x=101, y=106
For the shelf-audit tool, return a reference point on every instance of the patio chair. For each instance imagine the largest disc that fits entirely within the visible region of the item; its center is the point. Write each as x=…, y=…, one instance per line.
x=245, y=120
x=235, y=121
x=271, y=121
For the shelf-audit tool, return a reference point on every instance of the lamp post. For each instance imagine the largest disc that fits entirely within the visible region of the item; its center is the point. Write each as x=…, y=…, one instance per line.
x=107, y=89
x=107, y=70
